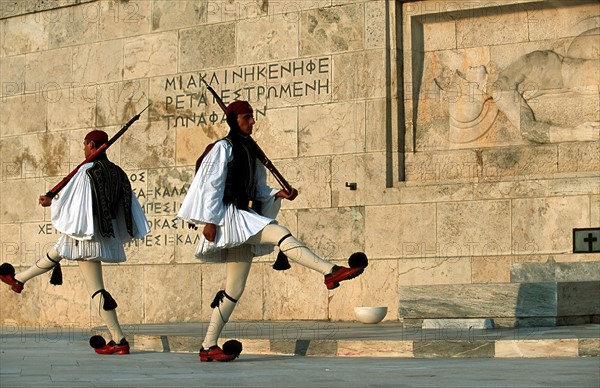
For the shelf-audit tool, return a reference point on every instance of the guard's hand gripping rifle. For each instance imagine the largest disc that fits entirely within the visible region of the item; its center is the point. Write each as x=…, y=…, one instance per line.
x=260, y=153
x=52, y=193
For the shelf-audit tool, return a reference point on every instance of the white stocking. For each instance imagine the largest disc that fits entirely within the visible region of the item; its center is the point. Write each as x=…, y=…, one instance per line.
x=237, y=274
x=291, y=247
x=92, y=273
x=41, y=266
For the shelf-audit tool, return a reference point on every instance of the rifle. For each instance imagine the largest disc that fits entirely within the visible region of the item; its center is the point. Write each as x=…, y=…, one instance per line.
x=52, y=193
x=260, y=153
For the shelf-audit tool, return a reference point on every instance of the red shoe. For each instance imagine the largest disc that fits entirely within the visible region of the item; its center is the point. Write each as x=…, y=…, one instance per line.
x=7, y=275
x=339, y=274
x=215, y=353
x=112, y=348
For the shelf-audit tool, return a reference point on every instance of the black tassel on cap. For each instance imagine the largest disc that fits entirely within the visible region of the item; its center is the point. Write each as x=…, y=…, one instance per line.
x=109, y=302
x=281, y=263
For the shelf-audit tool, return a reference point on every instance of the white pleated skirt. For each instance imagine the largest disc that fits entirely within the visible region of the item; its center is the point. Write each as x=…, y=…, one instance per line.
x=98, y=248
x=239, y=226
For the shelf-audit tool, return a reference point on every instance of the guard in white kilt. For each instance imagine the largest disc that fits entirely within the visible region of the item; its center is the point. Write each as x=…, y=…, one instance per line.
x=96, y=212
x=230, y=199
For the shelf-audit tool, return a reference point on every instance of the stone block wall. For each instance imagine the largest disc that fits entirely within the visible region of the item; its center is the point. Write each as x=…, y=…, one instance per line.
x=415, y=102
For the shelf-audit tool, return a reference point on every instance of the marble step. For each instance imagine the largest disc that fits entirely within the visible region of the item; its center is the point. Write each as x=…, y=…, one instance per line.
x=555, y=272
x=458, y=323
x=507, y=304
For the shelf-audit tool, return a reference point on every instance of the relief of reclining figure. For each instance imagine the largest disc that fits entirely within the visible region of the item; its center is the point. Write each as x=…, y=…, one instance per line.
x=472, y=113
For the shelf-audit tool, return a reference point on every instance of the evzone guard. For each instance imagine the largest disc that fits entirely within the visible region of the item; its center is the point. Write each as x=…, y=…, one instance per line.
x=97, y=212
x=230, y=200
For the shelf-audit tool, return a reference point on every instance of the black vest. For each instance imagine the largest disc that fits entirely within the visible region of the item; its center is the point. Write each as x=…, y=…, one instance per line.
x=110, y=188
x=240, y=184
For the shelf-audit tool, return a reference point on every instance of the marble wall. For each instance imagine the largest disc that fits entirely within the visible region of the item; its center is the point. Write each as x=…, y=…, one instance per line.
x=471, y=130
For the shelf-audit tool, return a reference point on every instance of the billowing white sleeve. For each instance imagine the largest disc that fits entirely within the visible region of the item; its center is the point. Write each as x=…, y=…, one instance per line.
x=71, y=212
x=140, y=222
x=265, y=194
x=204, y=200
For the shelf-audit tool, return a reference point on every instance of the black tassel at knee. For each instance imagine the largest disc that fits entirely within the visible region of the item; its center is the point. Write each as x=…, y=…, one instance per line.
x=282, y=262
x=56, y=277
x=219, y=299
x=109, y=302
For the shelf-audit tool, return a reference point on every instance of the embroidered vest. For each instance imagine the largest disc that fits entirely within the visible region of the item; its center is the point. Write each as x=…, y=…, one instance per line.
x=110, y=188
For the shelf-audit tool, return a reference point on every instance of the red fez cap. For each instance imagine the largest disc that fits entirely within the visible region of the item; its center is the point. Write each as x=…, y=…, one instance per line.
x=98, y=137
x=239, y=108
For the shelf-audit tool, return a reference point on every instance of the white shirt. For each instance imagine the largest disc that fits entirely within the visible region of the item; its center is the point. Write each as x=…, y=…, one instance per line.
x=204, y=203
x=72, y=215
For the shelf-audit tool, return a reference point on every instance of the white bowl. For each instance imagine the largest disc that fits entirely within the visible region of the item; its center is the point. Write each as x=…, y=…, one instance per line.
x=370, y=314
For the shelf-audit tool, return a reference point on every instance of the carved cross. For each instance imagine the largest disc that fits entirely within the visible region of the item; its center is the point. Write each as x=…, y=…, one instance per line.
x=590, y=239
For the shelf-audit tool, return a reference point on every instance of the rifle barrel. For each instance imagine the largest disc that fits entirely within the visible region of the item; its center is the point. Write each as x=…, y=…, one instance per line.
x=271, y=167
x=262, y=156
x=52, y=193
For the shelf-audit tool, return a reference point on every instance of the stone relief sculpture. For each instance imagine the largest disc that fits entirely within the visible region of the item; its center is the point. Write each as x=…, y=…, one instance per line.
x=472, y=111
x=477, y=99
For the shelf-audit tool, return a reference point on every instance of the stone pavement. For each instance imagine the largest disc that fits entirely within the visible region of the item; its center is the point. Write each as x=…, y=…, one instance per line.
x=47, y=357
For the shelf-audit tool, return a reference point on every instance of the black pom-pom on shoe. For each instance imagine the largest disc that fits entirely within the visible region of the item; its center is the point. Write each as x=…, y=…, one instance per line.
x=6, y=269
x=97, y=341
x=357, y=260
x=232, y=347
x=7, y=275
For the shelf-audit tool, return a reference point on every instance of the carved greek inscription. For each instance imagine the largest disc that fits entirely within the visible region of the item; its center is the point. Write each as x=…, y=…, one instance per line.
x=188, y=103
